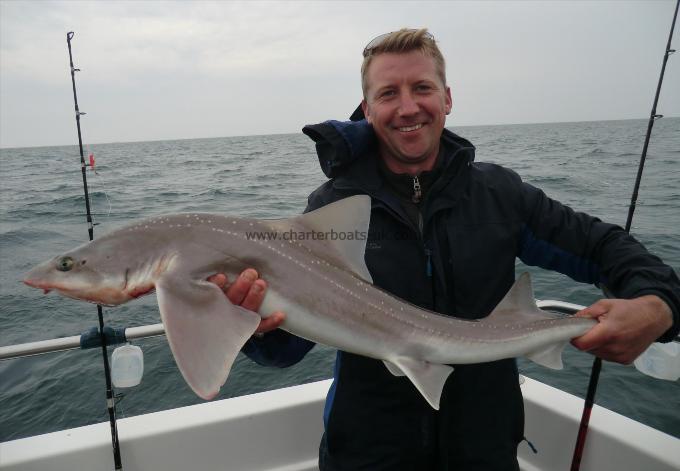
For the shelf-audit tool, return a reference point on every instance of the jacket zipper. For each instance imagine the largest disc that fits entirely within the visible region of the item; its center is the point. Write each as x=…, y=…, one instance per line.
x=428, y=258
x=417, y=190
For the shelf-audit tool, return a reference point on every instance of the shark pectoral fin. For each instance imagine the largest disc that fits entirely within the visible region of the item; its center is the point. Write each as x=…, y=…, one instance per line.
x=550, y=356
x=428, y=378
x=205, y=331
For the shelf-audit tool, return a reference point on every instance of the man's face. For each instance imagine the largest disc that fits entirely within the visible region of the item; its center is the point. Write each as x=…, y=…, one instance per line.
x=407, y=103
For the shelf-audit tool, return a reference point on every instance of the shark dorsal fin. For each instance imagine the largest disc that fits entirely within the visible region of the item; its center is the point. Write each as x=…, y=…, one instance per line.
x=518, y=304
x=518, y=307
x=348, y=219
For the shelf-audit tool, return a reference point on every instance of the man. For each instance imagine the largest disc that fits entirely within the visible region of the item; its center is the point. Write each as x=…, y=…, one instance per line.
x=444, y=235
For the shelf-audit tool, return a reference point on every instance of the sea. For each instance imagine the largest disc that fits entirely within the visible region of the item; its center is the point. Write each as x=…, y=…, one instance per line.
x=590, y=166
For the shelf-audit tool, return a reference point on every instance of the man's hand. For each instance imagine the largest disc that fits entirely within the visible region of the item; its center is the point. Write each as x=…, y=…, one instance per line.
x=626, y=327
x=248, y=292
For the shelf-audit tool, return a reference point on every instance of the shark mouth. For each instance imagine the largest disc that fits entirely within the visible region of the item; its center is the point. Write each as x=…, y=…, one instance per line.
x=99, y=297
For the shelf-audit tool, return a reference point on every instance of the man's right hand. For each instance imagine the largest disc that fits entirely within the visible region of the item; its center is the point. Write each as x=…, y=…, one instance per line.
x=248, y=291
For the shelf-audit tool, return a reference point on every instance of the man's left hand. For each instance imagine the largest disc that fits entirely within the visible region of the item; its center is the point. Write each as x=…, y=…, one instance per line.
x=626, y=327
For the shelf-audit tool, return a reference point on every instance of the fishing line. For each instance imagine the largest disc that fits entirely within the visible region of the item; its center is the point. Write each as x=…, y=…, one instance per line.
x=110, y=400
x=91, y=165
x=597, y=364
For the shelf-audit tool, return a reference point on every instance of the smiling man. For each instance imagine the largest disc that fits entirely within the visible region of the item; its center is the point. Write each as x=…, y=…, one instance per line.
x=406, y=101
x=444, y=234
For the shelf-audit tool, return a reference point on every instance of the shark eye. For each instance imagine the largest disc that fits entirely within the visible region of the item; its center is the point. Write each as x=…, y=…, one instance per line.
x=65, y=264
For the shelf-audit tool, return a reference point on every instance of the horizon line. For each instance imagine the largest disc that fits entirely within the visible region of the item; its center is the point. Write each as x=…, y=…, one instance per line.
x=299, y=132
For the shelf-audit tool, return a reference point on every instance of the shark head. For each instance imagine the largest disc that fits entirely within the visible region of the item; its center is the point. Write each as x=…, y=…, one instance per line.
x=93, y=272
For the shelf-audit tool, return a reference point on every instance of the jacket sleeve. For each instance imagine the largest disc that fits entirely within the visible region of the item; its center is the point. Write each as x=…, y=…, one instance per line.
x=280, y=348
x=277, y=348
x=555, y=237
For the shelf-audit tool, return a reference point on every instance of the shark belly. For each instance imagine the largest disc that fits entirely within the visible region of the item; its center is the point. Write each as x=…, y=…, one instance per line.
x=333, y=326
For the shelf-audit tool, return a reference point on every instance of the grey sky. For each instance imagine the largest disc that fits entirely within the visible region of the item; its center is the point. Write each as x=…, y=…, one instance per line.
x=171, y=70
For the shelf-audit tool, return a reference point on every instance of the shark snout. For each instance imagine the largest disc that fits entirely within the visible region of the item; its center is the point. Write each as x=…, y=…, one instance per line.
x=38, y=283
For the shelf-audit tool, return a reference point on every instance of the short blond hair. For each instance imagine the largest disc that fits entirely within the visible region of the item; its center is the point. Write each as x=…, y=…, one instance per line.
x=399, y=42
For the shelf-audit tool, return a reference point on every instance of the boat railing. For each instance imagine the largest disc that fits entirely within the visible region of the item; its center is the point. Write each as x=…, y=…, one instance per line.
x=114, y=336
x=88, y=339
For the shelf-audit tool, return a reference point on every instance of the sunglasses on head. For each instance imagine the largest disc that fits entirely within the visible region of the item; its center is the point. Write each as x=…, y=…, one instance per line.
x=377, y=41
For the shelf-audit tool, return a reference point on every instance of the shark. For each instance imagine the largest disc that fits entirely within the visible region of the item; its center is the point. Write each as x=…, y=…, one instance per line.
x=315, y=269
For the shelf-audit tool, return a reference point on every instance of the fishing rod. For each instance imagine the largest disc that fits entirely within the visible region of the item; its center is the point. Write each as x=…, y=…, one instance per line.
x=597, y=364
x=110, y=401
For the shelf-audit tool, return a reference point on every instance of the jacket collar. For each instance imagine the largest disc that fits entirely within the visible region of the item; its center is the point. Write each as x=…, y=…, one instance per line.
x=347, y=152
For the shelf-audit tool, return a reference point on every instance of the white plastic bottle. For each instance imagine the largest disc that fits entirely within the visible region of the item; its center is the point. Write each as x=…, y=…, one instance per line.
x=127, y=366
x=660, y=360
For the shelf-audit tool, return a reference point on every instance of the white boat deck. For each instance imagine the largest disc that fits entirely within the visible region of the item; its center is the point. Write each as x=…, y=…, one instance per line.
x=280, y=430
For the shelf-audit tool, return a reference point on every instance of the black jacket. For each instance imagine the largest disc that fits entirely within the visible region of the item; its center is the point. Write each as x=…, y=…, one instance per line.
x=477, y=219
